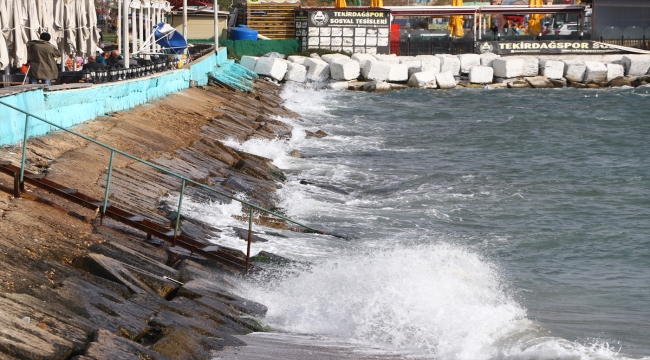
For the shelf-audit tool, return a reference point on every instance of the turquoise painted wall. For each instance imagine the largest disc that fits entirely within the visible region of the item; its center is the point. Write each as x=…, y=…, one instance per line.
x=71, y=107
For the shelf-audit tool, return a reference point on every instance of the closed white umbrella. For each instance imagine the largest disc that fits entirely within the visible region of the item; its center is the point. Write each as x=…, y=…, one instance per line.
x=81, y=28
x=32, y=23
x=70, y=21
x=4, y=28
x=46, y=16
x=18, y=37
x=93, y=32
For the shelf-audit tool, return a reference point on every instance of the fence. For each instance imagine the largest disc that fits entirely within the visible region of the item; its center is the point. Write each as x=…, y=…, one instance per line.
x=412, y=47
x=643, y=44
x=19, y=178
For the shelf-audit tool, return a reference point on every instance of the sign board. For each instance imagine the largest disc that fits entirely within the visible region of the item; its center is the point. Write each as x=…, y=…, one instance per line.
x=545, y=47
x=344, y=30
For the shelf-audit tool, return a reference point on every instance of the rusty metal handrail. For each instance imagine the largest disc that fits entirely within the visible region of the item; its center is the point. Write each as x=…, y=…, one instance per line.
x=184, y=181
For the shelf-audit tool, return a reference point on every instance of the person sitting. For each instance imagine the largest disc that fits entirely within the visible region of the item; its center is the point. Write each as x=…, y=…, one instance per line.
x=103, y=57
x=42, y=60
x=93, y=64
x=113, y=58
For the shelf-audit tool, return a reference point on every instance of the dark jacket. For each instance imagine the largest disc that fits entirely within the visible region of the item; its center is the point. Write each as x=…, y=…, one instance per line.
x=94, y=66
x=113, y=61
x=41, y=55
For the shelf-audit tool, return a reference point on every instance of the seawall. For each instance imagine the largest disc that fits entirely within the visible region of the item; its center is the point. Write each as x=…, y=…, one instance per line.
x=71, y=107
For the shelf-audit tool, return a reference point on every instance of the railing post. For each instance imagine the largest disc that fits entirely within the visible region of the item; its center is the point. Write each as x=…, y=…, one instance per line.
x=22, y=162
x=178, y=213
x=108, y=185
x=250, y=239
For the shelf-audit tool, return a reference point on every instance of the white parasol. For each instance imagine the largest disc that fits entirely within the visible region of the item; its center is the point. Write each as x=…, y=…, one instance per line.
x=70, y=22
x=93, y=31
x=45, y=10
x=4, y=27
x=18, y=37
x=81, y=28
x=32, y=23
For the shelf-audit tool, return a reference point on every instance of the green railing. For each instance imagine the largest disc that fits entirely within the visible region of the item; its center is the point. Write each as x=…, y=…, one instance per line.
x=184, y=181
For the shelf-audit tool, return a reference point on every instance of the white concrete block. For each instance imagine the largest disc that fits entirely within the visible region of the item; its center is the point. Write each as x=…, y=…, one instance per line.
x=636, y=65
x=328, y=58
x=425, y=80
x=468, y=61
x=376, y=70
x=481, y=74
x=429, y=63
x=449, y=63
x=248, y=62
x=446, y=80
x=531, y=66
x=338, y=85
x=297, y=59
x=317, y=69
x=391, y=59
x=275, y=68
x=595, y=72
x=344, y=69
x=362, y=59
x=487, y=58
x=574, y=70
x=552, y=69
x=398, y=72
x=376, y=86
x=508, y=67
x=614, y=71
x=296, y=72
x=414, y=64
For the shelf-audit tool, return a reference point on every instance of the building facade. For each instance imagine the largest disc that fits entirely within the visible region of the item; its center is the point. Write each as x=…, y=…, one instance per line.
x=616, y=19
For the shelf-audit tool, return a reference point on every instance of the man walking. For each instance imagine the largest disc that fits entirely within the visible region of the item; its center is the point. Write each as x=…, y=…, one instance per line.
x=42, y=60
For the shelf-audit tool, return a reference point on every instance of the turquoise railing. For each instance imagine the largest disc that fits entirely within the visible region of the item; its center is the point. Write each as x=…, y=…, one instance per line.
x=184, y=181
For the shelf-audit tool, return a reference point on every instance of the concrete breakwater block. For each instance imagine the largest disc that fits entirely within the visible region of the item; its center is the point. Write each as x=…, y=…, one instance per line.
x=413, y=64
x=363, y=59
x=614, y=71
x=539, y=82
x=391, y=59
x=636, y=65
x=596, y=72
x=429, y=63
x=468, y=61
x=449, y=63
x=446, y=80
x=423, y=80
x=574, y=71
x=331, y=57
x=317, y=69
x=508, y=67
x=376, y=70
x=338, y=85
x=275, y=68
x=248, y=62
x=296, y=59
x=488, y=58
x=481, y=75
x=344, y=69
x=552, y=69
x=296, y=72
x=398, y=72
x=531, y=67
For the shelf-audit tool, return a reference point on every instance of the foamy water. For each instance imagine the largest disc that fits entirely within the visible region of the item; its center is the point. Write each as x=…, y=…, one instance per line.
x=444, y=263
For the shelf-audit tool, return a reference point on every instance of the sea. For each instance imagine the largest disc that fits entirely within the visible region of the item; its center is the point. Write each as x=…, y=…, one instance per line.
x=470, y=223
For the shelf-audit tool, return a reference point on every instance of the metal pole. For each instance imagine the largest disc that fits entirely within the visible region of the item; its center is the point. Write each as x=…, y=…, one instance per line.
x=185, y=19
x=250, y=239
x=148, y=31
x=215, y=8
x=108, y=182
x=63, y=42
x=140, y=27
x=22, y=162
x=119, y=25
x=125, y=33
x=178, y=213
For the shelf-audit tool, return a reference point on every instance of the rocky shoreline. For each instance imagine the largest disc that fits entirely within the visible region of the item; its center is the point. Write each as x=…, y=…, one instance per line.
x=73, y=288
x=391, y=72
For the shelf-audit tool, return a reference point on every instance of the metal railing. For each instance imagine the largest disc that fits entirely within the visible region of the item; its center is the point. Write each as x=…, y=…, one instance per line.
x=431, y=46
x=643, y=44
x=184, y=182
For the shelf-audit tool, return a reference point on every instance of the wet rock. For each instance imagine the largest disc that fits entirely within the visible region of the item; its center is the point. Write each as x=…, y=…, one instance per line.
x=519, y=84
x=325, y=186
x=558, y=83
x=295, y=153
x=243, y=234
x=539, y=82
x=641, y=81
x=377, y=86
x=106, y=345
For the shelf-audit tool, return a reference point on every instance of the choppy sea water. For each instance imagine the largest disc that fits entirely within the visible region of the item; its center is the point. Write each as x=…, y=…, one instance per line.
x=485, y=224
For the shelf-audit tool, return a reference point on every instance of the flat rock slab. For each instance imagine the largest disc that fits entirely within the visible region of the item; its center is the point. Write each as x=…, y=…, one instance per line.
x=111, y=347
x=519, y=84
x=539, y=82
x=243, y=234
